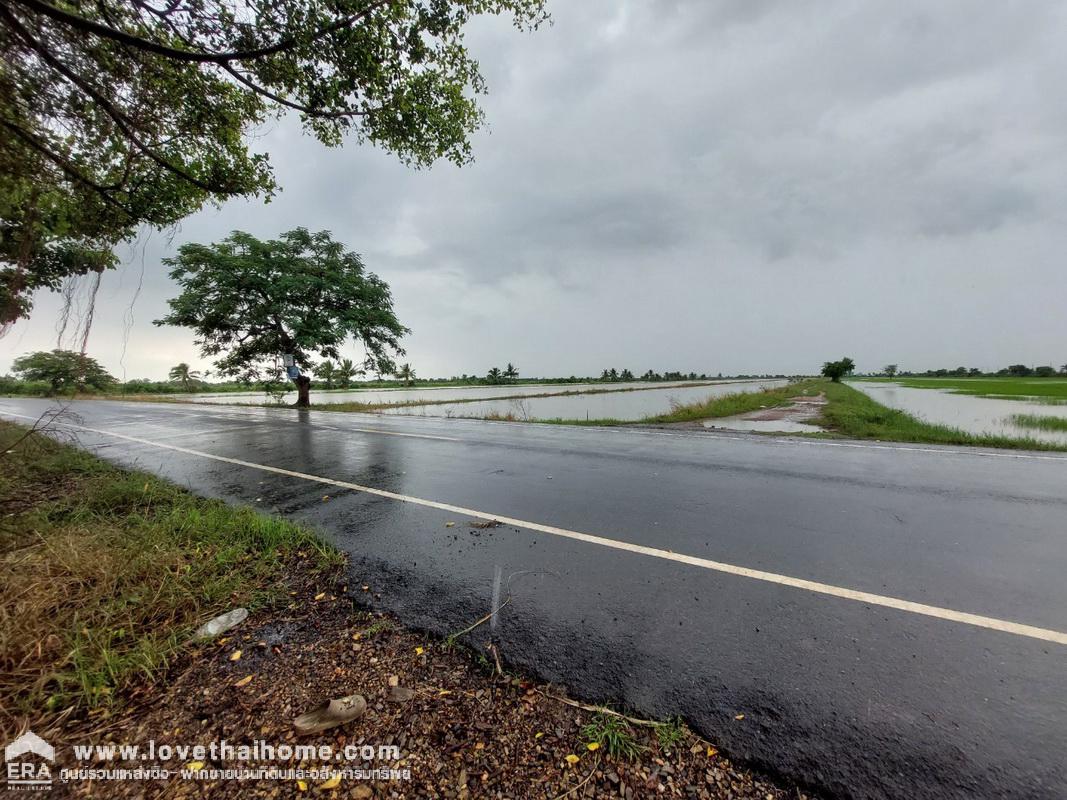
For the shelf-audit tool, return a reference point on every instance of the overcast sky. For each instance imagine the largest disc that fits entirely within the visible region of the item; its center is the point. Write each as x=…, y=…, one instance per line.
x=719, y=186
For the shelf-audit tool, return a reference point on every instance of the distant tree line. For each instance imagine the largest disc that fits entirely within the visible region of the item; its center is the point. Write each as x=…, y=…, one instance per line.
x=1012, y=371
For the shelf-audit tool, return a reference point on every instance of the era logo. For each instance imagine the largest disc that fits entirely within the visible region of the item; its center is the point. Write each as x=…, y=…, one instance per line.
x=22, y=773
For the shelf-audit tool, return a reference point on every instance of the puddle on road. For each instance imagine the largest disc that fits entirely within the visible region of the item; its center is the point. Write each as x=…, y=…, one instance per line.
x=978, y=415
x=794, y=418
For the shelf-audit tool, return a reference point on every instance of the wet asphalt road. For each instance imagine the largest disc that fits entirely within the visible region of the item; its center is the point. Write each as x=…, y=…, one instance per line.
x=849, y=697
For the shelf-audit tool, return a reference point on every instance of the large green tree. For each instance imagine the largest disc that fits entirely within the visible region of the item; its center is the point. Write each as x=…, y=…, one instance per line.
x=62, y=370
x=251, y=302
x=836, y=370
x=118, y=113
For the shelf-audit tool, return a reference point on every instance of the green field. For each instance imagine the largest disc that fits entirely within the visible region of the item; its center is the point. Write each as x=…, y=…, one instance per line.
x=1010, y=388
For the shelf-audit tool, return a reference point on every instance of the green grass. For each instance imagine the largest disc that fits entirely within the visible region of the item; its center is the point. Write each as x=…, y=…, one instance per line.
x=728, y=405
x=849, y=412
x=106, y=572
x=613, y=734
x=671, y=733
x=1010, y=388
x=1040, y=422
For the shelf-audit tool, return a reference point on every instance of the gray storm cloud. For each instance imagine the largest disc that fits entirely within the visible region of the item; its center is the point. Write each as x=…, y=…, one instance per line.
x=717, y=186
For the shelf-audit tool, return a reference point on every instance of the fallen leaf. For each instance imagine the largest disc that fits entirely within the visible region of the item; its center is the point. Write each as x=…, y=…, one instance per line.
x=740, y=716
x=443, y=692
x=539, y=734
x=420, y=650
x=571, y=759
x=235, y=655
x=479, y=746
x=247, y=679
x=593, y=746
x=450, y=524
x=195, y=766
x=332, y=783
x=325, y=497
x=302, y=786
x=712, y=752
x=320, y=595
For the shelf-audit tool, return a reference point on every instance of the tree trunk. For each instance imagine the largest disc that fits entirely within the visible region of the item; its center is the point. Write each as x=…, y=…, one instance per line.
x=303, y=389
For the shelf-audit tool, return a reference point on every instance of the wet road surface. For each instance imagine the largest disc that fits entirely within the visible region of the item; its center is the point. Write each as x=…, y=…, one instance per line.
x=890, y=620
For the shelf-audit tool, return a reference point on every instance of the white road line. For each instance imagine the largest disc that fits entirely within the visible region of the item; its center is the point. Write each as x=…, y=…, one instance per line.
x=895, y=603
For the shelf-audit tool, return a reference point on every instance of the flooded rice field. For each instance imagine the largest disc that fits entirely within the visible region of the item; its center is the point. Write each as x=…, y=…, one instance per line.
x=614, y=405
x=429, y=394
x=978, y=415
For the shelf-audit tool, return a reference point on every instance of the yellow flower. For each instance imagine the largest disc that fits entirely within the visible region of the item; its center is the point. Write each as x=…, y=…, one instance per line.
x=571, y=759
x=593, y=746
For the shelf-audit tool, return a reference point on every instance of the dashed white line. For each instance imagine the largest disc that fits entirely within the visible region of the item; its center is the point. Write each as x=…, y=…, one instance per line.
x=896, y=603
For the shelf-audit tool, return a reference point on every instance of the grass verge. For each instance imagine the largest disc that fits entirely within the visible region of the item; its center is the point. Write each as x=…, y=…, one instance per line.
x=106, y=572
x=1040, y=422
x=849, y=412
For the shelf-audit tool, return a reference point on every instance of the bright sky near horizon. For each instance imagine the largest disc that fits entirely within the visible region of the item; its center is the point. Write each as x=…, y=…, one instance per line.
x=737, y=186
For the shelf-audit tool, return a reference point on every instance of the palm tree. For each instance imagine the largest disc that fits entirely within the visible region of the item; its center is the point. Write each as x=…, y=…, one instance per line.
x=346, y=372
x=327, y=370
x=511, y=372
x=493, y=375
x=406, y=374
x=183, y=375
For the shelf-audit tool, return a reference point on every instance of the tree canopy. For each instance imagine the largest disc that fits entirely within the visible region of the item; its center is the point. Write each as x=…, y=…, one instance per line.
x=836, y=370
x=62, y=370
x=118, y=113
x=250, y=302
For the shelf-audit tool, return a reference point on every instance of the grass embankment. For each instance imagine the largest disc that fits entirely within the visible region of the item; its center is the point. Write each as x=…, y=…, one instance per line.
x=106, y=572
x=728, y=405
x=722, y=406
x=1039, y=422
x=1049, y=389
x=850, y=413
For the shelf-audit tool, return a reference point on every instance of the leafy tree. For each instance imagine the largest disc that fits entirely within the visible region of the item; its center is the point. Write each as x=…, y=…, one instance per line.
x=626, y=375
x=346, y=371
x=890, y=370
x=250, y=302
x=118, y=113
x=1019, y=370
x=406, y=374
x=1044, y=371
x=1063, y=369
x=511, y=372
x=836, y=370
x=613, y=374
x=183, y=375
x=494, y=375
x=327, y=371
x=62, y=370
